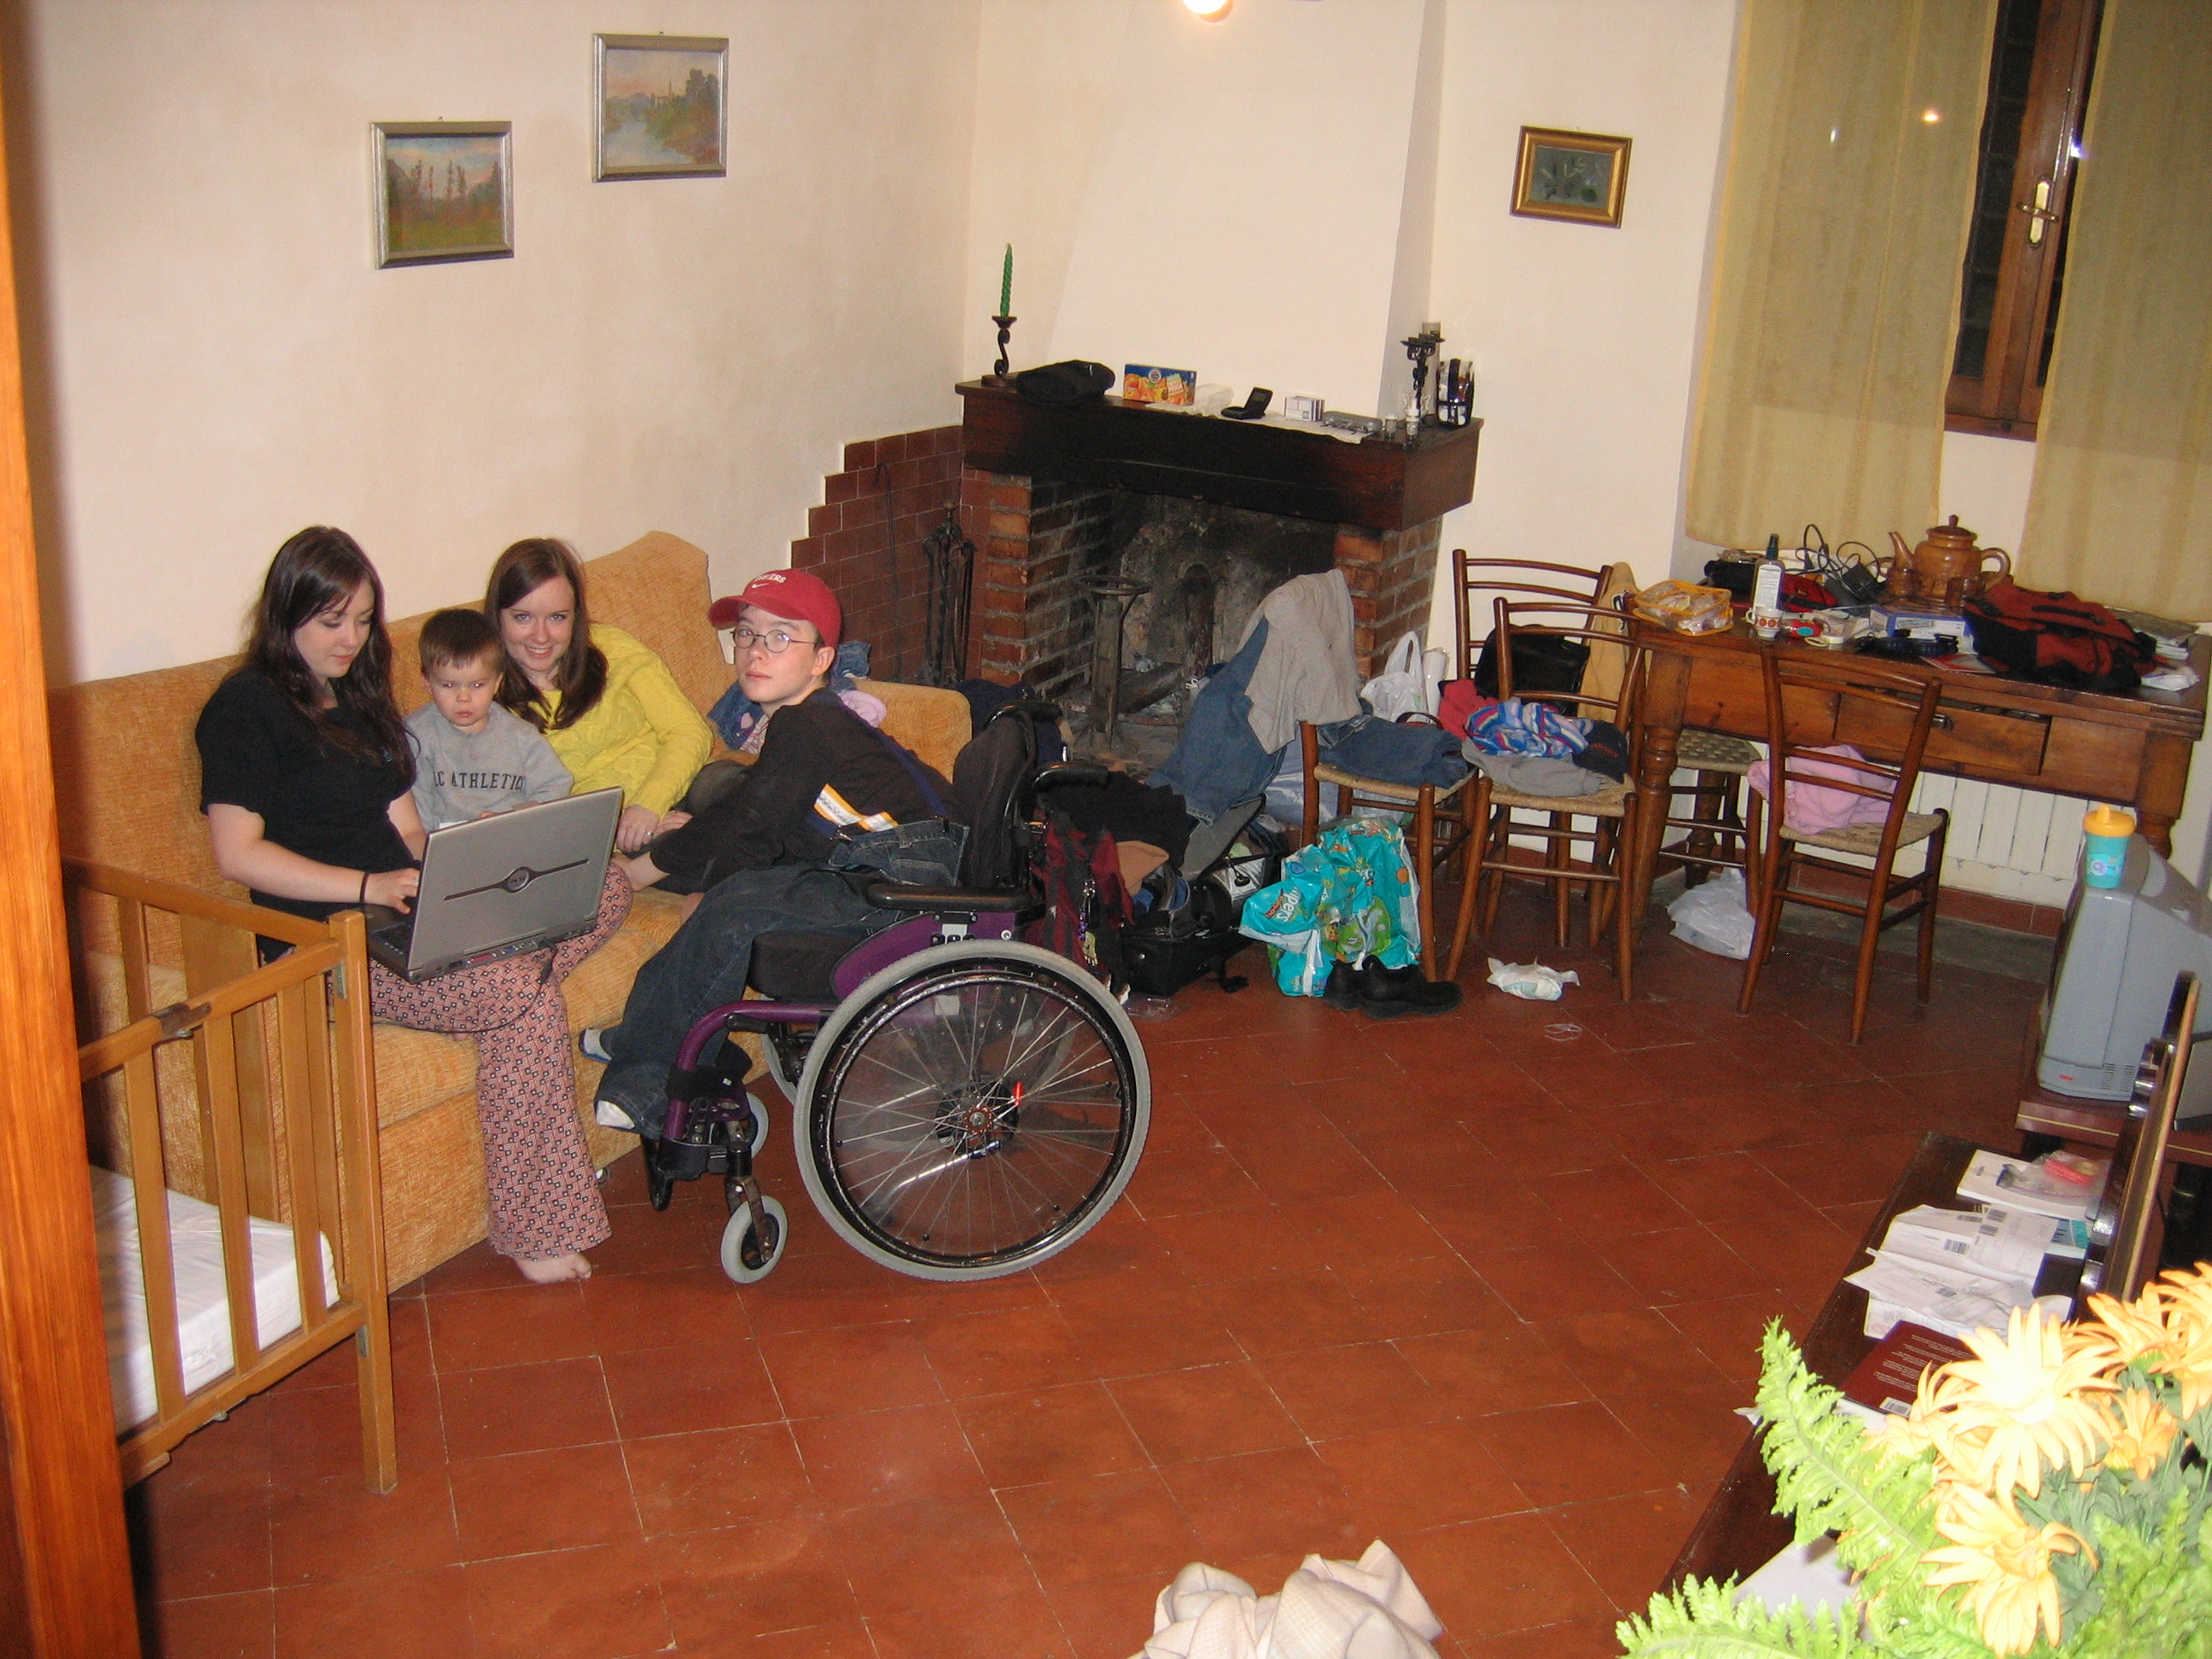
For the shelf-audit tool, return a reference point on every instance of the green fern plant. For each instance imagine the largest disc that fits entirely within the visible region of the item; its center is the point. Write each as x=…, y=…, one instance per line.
x=2139, y=1586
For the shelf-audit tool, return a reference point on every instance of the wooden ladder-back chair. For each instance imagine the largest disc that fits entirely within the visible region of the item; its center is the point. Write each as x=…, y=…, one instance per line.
x=1716, y=835
x=1892, y=709
x=1612, y=809
x=1435, y=842
x=1519, y=579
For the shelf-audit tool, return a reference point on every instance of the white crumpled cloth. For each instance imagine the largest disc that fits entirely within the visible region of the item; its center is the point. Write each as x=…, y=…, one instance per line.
x=1326, y=1610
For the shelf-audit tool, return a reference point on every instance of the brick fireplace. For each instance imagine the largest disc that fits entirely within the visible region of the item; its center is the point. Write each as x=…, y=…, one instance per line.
x=1053, y=496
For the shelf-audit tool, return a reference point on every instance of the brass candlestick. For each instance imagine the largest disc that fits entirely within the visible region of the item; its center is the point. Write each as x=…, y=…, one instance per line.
x=997, y=376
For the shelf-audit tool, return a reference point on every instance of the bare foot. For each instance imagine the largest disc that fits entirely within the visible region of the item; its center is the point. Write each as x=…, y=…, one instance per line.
x=691, y=903
x=641, y=872
x=553, y=1269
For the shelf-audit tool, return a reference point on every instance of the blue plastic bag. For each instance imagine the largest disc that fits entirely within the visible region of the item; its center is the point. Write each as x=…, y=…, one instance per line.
x=1348, y=896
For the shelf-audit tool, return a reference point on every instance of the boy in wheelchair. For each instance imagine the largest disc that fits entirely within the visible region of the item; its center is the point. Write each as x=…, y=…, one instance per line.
x=830, y=805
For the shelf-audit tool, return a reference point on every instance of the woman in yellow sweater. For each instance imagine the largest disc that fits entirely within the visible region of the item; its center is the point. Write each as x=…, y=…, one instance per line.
x=608, y=705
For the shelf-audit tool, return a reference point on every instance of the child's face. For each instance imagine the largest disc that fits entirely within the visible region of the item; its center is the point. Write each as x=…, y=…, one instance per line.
x=773, y=680
x=464, y=691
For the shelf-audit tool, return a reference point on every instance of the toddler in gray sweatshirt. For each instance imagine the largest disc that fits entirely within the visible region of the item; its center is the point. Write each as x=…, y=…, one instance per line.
x=472, y=757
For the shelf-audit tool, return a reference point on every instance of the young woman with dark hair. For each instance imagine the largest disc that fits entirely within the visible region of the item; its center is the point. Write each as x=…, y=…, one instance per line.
x=608, y=705
x=304, y=772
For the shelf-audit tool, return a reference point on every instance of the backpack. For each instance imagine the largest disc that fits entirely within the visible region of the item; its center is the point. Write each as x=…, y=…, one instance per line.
x=2057, y=639
x=1086, y=907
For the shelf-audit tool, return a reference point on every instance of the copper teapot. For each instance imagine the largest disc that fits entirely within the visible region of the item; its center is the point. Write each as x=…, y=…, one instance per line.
x=1946, y=568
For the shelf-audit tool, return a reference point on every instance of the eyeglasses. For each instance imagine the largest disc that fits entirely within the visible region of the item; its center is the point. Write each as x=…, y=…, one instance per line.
x=775, y=643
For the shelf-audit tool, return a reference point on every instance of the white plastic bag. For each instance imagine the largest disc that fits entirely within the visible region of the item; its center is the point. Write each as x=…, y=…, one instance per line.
x=1713, y=916
x=1404, y=686
x=1531, y=980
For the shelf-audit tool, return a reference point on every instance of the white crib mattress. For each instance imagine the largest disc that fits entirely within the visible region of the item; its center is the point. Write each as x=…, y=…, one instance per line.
x=203, y=1302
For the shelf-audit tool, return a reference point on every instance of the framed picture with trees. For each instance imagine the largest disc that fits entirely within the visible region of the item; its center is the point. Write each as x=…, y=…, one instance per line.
x=444, y=191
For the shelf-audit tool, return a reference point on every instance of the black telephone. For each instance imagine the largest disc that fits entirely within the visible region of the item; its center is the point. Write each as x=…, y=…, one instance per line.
x=1252, y=408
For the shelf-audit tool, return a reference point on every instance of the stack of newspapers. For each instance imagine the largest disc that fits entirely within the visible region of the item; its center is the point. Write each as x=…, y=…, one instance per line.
x=1956, y=1271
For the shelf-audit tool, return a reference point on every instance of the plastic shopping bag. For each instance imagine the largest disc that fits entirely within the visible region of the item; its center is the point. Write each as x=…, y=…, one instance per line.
x=1409, y=682
x=1283, y=918
x=1713, y=916
x=1348, y=896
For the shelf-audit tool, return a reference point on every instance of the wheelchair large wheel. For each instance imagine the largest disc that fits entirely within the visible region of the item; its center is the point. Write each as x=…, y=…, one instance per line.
x=971, y=1110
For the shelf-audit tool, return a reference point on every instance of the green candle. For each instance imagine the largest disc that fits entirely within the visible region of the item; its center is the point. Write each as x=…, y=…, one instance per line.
x=1006, y=284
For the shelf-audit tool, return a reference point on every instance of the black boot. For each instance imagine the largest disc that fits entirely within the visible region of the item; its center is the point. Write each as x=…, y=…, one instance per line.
x=1386, y=993
x=1342, y=990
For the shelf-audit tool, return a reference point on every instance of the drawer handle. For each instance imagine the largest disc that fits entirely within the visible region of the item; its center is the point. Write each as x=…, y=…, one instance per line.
x=1942, y=722
x=1992, y=710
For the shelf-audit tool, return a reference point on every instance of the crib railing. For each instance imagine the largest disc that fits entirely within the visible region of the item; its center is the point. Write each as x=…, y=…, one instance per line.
x=279, y=1101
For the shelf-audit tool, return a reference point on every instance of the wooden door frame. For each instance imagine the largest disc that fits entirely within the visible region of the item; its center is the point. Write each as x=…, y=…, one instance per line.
x=65, y=1559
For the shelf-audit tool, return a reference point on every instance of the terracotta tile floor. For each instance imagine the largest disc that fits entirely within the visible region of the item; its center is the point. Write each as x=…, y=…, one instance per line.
x=1485, y=1285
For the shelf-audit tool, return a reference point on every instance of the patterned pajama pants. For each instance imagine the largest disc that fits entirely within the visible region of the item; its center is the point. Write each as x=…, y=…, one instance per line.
x=544, y=1200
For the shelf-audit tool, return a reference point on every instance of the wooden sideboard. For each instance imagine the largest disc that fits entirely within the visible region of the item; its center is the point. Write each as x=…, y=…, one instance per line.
x=2132, y=748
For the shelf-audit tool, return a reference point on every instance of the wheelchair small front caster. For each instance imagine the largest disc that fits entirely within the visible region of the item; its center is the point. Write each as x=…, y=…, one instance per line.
x=751, y=1248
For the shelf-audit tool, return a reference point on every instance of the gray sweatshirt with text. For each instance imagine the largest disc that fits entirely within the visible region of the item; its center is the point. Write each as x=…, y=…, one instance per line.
x=459, y=775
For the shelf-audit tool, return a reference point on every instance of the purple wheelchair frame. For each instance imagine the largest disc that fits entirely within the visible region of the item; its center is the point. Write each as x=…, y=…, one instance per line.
x=867, y=957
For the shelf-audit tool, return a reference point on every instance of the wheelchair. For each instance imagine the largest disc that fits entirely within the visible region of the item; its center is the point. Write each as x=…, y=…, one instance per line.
x=964, y=1104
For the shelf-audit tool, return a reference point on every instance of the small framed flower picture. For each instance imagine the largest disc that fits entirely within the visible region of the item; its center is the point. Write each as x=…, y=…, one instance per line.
x=1580, y=177
x=443, y=191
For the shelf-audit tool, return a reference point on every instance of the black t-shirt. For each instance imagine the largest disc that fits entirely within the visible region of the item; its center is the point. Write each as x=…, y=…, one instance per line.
x=822, y=767
x=258, y=752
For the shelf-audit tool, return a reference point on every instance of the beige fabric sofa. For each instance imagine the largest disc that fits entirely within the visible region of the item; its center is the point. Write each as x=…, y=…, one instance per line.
x=128, y=780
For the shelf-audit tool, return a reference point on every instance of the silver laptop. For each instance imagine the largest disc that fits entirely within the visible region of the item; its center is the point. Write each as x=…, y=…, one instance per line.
x=501, y=886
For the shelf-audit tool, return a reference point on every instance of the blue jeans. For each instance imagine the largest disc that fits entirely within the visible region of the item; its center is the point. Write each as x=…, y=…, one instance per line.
x=704, y=966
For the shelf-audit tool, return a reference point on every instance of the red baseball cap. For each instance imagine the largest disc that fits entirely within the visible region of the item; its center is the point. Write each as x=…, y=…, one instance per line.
x=794, y=595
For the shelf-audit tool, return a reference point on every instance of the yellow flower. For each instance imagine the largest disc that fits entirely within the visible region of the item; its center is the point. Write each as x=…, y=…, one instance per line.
x=2137, y=1329
x=2006, y=1562
x=2016, y=1405
x=2142, y=1432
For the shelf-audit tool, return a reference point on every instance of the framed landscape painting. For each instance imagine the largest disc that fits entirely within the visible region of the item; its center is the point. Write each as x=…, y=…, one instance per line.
x=658, y=102
x=1580, y=177
x=443, y=191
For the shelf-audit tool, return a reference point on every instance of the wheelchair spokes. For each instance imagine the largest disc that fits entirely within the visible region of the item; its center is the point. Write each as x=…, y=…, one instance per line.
x=977, y=1115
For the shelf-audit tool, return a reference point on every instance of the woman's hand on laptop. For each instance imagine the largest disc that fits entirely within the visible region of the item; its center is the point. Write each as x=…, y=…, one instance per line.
x=393, y=888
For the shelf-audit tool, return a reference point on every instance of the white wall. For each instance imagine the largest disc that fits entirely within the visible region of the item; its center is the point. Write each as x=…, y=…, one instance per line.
x=1584, y=336
x=224, y=364
x=1233, y=197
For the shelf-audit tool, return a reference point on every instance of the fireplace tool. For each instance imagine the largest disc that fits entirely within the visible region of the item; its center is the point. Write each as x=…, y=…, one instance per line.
x=951, y=558
x=1114, y=596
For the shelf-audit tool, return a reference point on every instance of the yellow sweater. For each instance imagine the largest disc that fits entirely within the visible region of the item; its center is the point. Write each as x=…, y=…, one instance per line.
x=642, y=736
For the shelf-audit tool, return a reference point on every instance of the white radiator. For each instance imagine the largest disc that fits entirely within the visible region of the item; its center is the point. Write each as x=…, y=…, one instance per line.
x=2012, y=843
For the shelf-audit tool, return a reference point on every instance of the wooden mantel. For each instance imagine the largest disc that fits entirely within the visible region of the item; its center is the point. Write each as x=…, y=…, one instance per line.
x=1373, y=485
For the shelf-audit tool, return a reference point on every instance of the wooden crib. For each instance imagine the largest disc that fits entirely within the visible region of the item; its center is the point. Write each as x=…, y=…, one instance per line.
x=235, y=1105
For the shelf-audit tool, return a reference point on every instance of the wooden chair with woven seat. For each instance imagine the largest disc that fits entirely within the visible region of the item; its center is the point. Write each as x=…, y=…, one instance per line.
x=1432, y=846
x=1718, y=836
x=1612, y=808
x=1900, y=707
x=1436, y=842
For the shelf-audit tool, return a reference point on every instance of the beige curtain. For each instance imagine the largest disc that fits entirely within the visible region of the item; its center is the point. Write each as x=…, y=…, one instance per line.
x=1835, y=289
x=2121, y=509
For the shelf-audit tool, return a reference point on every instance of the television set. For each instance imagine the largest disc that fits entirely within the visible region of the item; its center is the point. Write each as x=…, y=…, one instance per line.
x=2118, y=952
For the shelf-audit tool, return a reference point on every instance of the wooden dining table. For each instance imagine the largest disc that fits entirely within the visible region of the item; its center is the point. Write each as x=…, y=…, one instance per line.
x=2130, y=749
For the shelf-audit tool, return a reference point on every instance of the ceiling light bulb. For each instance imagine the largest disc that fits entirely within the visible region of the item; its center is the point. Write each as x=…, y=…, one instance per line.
x=1212, y=10
x=1931, y=116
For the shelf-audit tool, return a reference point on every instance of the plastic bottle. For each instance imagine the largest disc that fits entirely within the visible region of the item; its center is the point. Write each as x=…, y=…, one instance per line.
x=1766, y=581
x=2105, y=832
